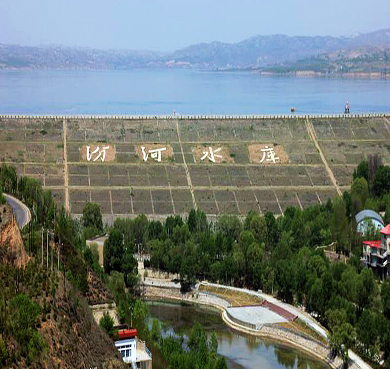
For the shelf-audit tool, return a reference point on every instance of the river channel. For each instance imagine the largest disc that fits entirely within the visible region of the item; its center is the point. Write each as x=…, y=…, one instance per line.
x=242, y=351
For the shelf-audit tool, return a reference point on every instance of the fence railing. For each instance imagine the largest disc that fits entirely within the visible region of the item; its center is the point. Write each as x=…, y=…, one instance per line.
x=197, y=117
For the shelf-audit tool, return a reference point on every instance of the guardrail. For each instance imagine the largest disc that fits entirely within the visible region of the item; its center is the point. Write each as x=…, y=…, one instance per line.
x=197, y=117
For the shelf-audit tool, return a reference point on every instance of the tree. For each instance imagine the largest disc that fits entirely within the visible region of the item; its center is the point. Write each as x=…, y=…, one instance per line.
x=374, y=162
x=385, y=296
x=317, y=297
x=339, y=224
x=213, y=344
x=129, y=268
x=367, y=289
x=361, y=171
x=381, y=181
x=258, y=226
x=3, y=352
x=359, y=191
x=367, y=332
x=221, y=363
x=92, y=216
x=117, y=286
x=141, y=227
x=140, y=314
x=272, y=231
x=107, y=323
x=341, y=340
x=230, y=226
x=285, y=278
x=113, y=252
x=156, y=330
x=254, y=258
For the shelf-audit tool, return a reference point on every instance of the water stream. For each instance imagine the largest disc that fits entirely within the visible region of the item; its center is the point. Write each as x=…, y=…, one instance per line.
x=241, y=350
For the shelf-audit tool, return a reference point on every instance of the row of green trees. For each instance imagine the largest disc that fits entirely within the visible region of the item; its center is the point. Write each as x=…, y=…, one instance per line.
x=283, y=256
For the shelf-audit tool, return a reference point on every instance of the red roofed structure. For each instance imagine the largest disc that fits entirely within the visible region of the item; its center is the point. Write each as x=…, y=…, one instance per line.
x=376, y=254
x=375, y=244
x=127, y=333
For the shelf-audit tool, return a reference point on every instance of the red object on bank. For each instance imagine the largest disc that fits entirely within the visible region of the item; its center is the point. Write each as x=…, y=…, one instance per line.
x=127, y=333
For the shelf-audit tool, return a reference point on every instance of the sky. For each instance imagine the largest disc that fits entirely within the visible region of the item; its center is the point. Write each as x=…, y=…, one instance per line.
x=172, y=24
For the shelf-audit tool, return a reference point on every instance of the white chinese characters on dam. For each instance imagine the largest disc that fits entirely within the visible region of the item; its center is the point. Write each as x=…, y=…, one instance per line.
x=100, y=154
x=154, y=154
x=269, y=155
x=211, y=154
x=259, y=153
x=97, y=153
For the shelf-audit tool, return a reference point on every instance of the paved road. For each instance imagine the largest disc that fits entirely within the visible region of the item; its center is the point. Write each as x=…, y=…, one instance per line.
x=21, y=211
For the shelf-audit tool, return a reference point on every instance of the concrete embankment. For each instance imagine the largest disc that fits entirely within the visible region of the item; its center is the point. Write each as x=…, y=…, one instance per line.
x=168, y=291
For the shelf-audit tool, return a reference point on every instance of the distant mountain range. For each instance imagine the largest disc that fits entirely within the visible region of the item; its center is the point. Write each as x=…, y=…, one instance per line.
x=258, y=52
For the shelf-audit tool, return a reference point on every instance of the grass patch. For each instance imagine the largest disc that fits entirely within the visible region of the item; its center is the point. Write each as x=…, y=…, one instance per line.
x=301, y=327
x=234, y=297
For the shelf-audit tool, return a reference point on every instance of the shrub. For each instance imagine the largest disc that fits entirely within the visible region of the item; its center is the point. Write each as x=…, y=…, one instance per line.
x=107, y=323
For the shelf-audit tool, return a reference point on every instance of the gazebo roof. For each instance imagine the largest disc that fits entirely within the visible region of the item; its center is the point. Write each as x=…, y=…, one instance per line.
x=368, y=214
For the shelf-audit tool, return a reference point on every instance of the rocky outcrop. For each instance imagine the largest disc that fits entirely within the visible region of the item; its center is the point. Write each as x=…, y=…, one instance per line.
x=11, y=244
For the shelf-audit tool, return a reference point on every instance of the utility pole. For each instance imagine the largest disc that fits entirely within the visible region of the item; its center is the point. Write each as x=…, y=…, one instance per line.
x=58, y=257
x=32, y=237
x=52, y=258
x=47, y=249
x=42, y=246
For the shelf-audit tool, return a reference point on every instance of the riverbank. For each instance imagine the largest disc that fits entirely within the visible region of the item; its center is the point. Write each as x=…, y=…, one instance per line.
x=268, y=331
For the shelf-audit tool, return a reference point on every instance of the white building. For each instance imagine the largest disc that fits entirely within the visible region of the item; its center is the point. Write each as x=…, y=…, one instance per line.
x=127, y=344
x=376, y=254
x=133, y=350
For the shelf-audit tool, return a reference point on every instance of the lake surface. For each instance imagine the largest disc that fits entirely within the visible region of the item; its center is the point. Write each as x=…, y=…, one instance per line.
x=241, y=351
x=157, y=92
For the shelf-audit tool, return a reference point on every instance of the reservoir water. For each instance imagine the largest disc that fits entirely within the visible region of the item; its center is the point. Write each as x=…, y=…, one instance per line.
x=241, y=351
x=162, y=91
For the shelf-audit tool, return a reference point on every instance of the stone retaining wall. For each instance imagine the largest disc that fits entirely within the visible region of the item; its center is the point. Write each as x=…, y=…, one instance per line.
x=198, y=297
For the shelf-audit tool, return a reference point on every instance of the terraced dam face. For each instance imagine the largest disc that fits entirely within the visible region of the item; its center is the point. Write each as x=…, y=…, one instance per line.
x=163, y=166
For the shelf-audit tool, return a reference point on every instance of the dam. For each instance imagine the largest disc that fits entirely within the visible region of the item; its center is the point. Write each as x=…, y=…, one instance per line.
x=164, y=165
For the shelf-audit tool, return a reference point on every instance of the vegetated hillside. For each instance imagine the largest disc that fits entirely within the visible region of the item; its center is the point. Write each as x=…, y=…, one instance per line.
x=45, y=321
x=61, y=57
x=260, y=51
x=257, y=51
x=11, y=244
x=365, y=59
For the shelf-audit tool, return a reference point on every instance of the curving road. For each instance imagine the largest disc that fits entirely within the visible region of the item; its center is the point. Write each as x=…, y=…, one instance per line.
x=21, y=211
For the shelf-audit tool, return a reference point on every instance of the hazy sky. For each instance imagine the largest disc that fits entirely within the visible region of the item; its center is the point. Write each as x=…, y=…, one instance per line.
x=171, y=24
